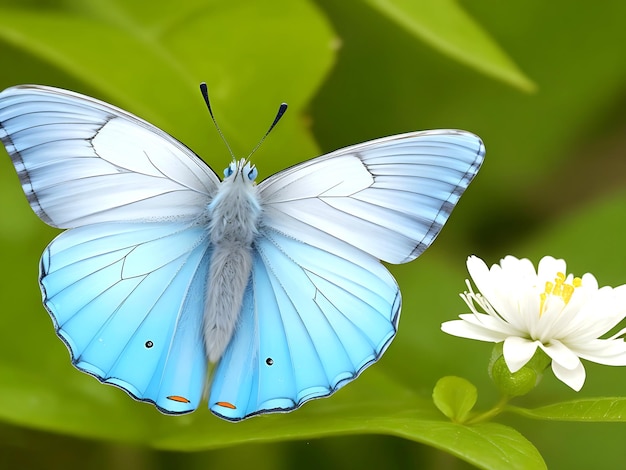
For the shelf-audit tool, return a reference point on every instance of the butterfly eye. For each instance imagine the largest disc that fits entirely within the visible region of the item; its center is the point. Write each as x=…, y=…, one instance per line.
x=252, y=174
x=229, y=170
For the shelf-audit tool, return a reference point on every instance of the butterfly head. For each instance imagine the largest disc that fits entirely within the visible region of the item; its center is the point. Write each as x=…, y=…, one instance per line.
x=244, y=168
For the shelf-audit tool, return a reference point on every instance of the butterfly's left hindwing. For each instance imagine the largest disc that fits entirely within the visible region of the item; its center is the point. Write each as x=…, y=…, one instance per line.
x=312, y=320
x=128, y=301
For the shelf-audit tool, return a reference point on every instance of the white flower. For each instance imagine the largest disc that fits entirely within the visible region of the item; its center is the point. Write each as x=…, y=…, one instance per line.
x=563, y=315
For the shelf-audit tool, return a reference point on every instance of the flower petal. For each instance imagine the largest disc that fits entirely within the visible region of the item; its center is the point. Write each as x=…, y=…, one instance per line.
x=548, y=267
x=493, y=323
x=611, y=352
x=465, y=329
x=518, y=351
x=574, y=378
x=561, y=354
x=479, y=272
x=601, y=312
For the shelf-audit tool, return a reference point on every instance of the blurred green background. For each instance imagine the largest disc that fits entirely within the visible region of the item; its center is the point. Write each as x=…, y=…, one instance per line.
x=544, y=85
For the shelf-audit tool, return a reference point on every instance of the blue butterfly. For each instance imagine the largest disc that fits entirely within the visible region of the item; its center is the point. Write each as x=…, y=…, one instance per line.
x=166, y=268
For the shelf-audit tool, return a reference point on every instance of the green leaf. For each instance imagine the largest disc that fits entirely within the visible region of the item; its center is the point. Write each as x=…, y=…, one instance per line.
x=596, y=410
x=105, y=413
x=485, y=445
x=450, y=29
x=455, y=397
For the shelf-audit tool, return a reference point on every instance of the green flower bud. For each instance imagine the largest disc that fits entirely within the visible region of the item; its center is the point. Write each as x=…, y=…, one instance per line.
x=515, y=384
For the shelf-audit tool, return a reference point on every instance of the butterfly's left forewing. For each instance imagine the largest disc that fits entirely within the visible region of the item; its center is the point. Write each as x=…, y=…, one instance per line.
x=82, y=161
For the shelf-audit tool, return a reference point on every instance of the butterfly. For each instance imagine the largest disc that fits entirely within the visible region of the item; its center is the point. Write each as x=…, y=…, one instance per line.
x=166, y=268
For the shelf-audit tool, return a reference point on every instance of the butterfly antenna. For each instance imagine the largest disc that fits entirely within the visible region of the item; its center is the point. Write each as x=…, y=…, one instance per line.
x=205, y=94
x=281, y=111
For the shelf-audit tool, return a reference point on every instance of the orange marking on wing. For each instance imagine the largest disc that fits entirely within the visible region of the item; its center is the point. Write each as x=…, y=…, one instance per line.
x=225, y=404
x=178, y=398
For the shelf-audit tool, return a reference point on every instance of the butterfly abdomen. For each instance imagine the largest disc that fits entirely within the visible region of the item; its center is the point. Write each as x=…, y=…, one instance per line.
x=234, y=215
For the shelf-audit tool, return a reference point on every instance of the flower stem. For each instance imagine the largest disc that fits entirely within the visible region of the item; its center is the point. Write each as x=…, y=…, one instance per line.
x=487, y=415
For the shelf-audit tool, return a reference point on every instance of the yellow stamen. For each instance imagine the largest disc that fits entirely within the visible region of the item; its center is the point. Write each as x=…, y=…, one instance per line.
x=560, y=289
